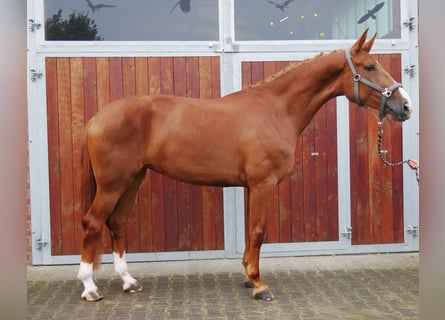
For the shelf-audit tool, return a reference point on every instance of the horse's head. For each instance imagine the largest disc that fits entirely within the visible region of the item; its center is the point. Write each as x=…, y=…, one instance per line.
x=368, y=84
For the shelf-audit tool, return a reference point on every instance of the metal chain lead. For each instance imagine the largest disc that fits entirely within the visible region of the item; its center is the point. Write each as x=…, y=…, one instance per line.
x=382, y=154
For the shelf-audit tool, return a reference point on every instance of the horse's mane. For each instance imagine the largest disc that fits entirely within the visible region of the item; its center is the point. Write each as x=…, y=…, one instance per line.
x=292, y=65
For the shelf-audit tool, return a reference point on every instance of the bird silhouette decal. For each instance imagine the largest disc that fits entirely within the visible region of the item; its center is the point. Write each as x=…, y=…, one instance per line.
x=184, y=5
x=282, y=6
x=95, y=7
x=371, y=13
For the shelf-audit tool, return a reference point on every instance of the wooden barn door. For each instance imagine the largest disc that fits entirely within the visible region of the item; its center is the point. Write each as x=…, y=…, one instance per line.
x=168, y=215
x=307, y=202
x=376, y=190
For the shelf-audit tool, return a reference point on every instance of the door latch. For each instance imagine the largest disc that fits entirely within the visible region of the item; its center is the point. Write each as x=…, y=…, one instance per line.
x=347, y=232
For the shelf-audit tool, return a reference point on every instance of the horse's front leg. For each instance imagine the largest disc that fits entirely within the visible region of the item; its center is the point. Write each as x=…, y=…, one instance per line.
x=260, y=204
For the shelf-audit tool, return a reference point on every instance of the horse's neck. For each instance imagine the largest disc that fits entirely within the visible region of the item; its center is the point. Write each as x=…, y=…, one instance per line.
x=308, y=87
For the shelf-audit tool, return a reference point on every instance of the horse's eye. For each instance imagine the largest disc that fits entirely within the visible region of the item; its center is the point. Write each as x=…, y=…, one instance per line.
x=370, y=67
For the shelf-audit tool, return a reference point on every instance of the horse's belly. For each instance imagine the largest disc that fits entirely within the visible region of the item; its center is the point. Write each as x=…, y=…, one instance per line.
x=200, y=174
x=198, y=164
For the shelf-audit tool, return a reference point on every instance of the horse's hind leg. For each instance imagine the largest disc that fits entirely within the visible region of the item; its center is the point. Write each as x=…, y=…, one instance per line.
x=93, y=223
x=116, y=222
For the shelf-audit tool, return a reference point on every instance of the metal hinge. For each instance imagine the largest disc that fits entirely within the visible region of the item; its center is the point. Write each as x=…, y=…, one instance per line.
x=411, y=70
x=347, y=232
x=33, y=25
x=413, y=230
x=410, y=23
x=41, y=242
x=35, y=74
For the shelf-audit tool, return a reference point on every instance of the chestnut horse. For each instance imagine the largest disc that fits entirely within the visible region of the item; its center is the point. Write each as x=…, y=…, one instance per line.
x=246, y=139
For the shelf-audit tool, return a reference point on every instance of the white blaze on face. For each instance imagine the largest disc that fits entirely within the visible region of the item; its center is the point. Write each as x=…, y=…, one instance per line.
x=406, y=96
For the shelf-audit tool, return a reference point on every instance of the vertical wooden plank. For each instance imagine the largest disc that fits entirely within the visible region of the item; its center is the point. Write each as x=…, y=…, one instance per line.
x=116, y=78
x=128, y=76
x=157, y=210
x=145, y=215
x=103, y=82
x=257, y=71
x=374, y=184
x=246, y=74
x=216, y=78
x=397, y=187
x=180, y=88
x=397, y=153
x=53, y=155
x=310, y=226
x=269, y=69
x=154, y=75
x=360, y=176
x=219, y=218
x=332, y=173
x=205, y=77
x=284, y=211
x=283, y=64
x=77, y=103
x=90, y=87
x=141, y=75
x=321, y=184
x=192, y=74
x=66, y=154
x=353, y=171
x=171, y=214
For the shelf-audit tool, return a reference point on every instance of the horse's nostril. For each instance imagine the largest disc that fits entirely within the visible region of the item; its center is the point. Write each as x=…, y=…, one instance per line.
x=407, y=107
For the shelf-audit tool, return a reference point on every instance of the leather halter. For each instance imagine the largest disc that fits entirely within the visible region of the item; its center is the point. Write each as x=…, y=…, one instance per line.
x=385, y=92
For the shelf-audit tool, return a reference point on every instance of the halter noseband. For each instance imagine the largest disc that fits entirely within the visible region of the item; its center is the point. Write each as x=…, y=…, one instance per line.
x=386, y=92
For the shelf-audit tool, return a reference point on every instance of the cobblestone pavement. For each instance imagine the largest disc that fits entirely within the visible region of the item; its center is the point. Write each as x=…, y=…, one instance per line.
x=374, y=286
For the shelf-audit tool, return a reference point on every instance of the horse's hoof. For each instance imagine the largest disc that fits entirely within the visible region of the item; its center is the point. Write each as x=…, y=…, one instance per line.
x=93, y=296
x=133, y=288
x=248, y=283
x=265, y=295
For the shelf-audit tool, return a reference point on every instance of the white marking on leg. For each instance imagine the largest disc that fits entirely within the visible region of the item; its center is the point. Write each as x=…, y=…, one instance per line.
x=86, y=275
x=121, y=269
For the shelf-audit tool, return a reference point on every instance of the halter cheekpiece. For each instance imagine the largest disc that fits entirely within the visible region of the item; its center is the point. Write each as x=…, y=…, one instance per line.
x=385, y=92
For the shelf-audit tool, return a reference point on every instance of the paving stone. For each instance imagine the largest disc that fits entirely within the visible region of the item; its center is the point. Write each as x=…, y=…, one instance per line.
x=374, y=286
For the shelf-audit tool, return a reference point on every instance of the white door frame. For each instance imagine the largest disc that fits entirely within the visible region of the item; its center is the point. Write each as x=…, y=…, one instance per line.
x=231, y=53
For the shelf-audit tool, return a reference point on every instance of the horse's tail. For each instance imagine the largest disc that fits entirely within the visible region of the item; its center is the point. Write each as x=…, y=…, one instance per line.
x=88, y=191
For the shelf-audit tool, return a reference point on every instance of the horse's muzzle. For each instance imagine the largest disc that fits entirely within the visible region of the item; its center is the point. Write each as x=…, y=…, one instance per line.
x=402, y=110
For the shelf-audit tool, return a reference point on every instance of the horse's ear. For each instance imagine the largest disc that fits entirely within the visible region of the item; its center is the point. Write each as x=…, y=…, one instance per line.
x=368, y=45
x=359, y=43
